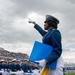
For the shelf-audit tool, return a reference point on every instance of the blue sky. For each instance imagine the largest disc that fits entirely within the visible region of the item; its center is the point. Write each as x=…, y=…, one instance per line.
x=18, y=36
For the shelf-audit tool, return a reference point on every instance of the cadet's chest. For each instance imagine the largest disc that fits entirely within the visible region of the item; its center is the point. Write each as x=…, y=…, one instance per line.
x=47, y=38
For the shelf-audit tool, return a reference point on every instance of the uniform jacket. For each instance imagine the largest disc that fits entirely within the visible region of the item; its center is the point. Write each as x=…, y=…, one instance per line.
x=12, y=67
x=24, y=67
x=0, y=66
x=17, y=67
x=53, y=38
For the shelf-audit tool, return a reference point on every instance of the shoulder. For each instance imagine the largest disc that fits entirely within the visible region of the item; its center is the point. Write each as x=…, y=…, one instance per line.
x=55, y=31
x=56, y=34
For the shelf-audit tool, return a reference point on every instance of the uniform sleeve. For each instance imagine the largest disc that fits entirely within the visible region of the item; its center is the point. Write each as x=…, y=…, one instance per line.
x=56, y=43
x=40, y=30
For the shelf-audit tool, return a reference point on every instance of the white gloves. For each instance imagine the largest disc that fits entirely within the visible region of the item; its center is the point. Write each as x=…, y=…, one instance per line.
x=42, y=63
x=30, y=21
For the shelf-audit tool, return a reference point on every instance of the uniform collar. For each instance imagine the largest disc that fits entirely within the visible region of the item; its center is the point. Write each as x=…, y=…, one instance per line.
x=51, y=28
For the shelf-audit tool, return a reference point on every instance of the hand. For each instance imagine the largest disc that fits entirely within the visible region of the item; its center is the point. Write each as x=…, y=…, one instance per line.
x=30, y=21
x=42, y=63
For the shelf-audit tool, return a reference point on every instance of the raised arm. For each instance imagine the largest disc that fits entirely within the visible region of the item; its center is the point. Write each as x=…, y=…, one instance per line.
x=38, y=28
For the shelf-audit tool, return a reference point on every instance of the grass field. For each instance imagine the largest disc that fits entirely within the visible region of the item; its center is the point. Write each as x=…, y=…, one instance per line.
x=70, y=74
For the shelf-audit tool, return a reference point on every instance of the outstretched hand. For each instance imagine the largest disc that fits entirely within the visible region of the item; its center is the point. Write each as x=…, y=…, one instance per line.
x=30, y=21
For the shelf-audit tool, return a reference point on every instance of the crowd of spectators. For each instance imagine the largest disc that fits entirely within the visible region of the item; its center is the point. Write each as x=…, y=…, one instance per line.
x=6, y=53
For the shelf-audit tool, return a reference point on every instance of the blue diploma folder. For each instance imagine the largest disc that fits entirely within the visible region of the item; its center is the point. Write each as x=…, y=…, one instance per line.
x=41, y=51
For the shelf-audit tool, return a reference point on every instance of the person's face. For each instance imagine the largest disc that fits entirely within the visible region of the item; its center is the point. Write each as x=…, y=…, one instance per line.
x=46, y=26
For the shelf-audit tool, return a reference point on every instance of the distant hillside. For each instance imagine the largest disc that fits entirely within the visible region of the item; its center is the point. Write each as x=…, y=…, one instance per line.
x=7, y=54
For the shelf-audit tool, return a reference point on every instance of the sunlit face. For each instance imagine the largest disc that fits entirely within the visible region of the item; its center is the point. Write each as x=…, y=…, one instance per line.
x=46, y=26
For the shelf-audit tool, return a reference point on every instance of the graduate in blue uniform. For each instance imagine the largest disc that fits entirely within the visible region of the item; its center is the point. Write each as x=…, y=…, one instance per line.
x=17, y=66
x=4, y=65
x=0, y=65
x=12, y=66
x=53, y=38
x=24, y=67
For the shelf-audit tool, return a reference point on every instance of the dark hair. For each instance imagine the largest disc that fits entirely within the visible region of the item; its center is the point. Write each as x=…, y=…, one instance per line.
x=52, y=24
